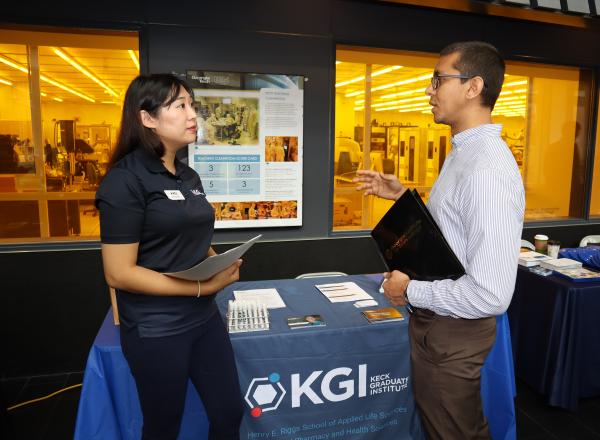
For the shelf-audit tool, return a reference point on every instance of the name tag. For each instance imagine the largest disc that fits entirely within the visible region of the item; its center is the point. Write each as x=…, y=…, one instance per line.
x=174, y=194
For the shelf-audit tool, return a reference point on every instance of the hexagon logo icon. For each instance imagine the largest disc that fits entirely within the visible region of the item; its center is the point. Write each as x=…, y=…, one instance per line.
x=264, y=394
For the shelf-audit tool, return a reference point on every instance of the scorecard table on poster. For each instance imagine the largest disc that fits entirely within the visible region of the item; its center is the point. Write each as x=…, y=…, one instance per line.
x=239, y=187
x=229, y=174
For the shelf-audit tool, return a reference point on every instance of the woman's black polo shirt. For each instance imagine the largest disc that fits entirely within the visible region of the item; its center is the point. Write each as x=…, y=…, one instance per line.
x=173, y=235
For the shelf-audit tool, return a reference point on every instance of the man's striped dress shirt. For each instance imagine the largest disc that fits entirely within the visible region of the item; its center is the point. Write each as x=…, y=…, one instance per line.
x=478, y=202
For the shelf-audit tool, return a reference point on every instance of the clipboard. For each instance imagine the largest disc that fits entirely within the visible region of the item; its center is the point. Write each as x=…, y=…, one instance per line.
x=409, y=240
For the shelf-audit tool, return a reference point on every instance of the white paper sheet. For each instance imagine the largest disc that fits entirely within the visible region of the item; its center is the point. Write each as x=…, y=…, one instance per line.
x=214, y=264
x=343, y=292
x=269, y=297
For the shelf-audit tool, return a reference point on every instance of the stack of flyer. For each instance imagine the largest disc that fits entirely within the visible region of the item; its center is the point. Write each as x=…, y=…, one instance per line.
x=531, y=258
x=387, y=314
x=306, y=321
x=580, y=275
x=343, y=292
x=561, y=263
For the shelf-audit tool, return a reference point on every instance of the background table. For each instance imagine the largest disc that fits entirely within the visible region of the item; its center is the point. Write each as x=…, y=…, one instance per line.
x=555, y=327
x=337, y=365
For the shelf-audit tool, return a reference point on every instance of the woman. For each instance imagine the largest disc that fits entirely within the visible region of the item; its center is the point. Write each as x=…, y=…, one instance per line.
x=154, y=218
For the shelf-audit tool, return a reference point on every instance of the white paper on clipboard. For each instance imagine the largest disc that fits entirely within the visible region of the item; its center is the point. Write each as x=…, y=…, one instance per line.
x=214, y=264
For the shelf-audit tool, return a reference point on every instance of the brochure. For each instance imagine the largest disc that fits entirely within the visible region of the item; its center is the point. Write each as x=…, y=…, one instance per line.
x=409, y=240
x=531, y=258
x=580, y=275
x=561, y=263
x=305, y=321
x=343, y=292
x=214, y=264
x=386, y=314
x=269, y=297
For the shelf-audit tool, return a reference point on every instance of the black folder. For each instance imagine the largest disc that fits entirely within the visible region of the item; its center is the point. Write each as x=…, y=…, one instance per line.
x=410, y=241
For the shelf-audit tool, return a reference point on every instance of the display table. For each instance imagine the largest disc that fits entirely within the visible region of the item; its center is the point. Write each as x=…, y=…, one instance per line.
x=555, y=328
x=349, y=379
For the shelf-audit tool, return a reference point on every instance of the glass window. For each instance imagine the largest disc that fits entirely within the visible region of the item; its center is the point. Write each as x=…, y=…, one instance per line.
x=61, y=96
x=595, y=202
x=542, y=108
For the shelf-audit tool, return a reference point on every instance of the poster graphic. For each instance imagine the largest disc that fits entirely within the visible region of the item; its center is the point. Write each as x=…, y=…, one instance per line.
x=248, y=152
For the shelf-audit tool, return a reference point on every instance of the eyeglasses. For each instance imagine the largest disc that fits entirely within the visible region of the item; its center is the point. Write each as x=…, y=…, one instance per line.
x=435, y=79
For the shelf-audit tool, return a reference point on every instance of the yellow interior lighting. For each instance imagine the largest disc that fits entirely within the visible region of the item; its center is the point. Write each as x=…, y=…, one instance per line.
x=23, y=69
x=415, y=109
x=403, y=82
x=406, y=92
x=83, y=70
x=57, y=99
x=394, y=84
x=403, y=106
x=373, y=75
x=401, y=101
x=12, y=64
x=134, y=58
x=515, y=83
x=5, y=81
x=65, y=88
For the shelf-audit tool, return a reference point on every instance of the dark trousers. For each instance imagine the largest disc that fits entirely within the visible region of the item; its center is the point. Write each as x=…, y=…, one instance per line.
x=446, y=357
x=161, y=368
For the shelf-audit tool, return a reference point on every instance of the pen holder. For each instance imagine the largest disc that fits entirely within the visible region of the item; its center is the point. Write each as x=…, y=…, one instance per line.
x=247, y=316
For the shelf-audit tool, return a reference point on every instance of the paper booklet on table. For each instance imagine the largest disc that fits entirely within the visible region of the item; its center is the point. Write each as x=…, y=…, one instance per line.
x=305, y=321
x=410, y=241
x=269, y=297
x=214, y=264
x=531, y=258
x=581, y=275
x=386, y=314
x=343, y=292
x=561, y=263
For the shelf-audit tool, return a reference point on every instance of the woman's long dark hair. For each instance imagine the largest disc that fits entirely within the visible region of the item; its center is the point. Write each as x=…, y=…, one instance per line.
x=149, y=93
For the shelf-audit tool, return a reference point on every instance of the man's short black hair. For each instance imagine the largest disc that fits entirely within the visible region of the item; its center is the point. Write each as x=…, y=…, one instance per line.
x=477, y=58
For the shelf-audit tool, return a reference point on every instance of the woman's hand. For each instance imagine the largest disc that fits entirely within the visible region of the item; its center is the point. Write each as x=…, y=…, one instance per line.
x=221, y=279
x=386, y=186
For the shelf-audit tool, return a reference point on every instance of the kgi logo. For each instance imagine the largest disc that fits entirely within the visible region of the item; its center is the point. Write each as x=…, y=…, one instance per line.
x=336, y=385
x=264, y=394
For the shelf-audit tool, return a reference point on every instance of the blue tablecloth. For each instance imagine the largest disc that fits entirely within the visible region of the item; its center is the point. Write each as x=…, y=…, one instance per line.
x=349, y=379
x=556, y=337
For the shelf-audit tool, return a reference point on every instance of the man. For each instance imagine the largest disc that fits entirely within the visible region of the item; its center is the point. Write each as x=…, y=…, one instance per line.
x=478, y=201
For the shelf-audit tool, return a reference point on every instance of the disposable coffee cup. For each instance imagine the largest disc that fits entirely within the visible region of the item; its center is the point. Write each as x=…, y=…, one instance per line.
x=553, y=248
x=541, y=243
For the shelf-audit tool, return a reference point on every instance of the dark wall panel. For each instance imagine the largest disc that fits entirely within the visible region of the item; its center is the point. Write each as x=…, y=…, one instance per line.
x=284, y=16
x=288, y=259
x=569, y=236
x=51, y=305
x=176, y=49
x=544, y=43
x=401, y=27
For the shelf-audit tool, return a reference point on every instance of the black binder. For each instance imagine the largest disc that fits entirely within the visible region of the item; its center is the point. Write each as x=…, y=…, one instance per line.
x=410, y=241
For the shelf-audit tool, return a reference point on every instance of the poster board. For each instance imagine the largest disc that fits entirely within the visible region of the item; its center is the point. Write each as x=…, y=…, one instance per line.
x=249, y=147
